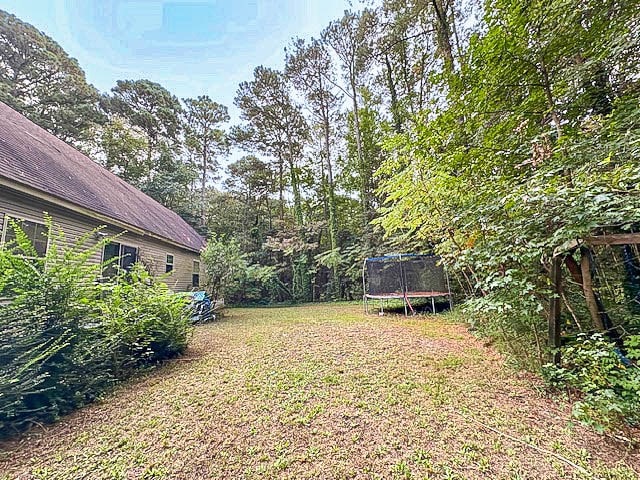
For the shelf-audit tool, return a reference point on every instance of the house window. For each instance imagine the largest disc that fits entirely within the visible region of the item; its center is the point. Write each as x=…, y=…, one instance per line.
x=126, y=254
x=169, y=264
x=36, y=232
x=195, y=277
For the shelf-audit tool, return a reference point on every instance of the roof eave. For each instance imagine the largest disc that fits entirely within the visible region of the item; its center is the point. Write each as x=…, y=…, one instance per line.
x=34, y=192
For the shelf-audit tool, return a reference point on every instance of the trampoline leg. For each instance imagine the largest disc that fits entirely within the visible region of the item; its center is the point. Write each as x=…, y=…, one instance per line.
x=433, y=305
x=404, y=300
x=450, y=302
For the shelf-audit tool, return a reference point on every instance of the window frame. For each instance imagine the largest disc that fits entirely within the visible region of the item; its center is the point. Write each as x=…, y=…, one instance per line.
x=195, y=274
x=120, y=257
x=168, y=264
x=19, y=218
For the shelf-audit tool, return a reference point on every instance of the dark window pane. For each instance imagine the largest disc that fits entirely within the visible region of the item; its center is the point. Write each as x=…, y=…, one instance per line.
x=111, y=251
x=41, y=247
x=29, y=228
x=10, y=236
x=170, y=259
x=129, y=257
x=36, y=232
x=195, y=280
x=169, y=268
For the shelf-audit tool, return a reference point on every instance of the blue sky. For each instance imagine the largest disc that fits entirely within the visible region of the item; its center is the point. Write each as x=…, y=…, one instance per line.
x=192, y=47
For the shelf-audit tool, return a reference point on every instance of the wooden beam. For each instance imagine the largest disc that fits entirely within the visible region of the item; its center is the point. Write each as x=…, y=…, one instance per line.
x=554, y=309
x=568, y=246
x=613, y=239
x=590, y=297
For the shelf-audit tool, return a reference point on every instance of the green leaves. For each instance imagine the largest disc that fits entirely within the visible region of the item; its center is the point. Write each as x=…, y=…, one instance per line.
x=40, y=80
x=534, y=146
x=225, y=265
x=611, y=384
x=148, y=106
x=65, y=338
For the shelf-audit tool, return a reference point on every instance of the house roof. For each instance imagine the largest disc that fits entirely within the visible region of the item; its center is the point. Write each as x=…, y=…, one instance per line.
x=31, y=156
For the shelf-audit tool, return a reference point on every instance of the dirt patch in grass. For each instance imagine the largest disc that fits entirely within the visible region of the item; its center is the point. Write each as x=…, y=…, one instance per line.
x=323, y=392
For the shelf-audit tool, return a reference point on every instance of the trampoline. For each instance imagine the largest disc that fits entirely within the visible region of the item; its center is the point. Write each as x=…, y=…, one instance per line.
x=404, y=277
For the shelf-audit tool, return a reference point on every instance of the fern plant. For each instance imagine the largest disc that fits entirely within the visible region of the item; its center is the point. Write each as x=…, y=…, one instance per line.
x=66, y=337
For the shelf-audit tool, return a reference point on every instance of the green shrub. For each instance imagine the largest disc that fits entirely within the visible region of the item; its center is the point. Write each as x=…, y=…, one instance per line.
x=609, y=382
x=225, y=266
x=146, y=321
x=65, y=338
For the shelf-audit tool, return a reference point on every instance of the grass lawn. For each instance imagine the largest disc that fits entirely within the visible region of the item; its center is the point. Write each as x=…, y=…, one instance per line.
x=323, y=392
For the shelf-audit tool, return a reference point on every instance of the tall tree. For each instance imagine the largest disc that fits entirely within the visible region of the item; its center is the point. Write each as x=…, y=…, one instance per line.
x=251, y=181
x=170, y=184
x=405, y=51
x=275, y=126
x=363, y=177
x=144, y=113
x=311, y=70
x=250, y=178
x=124, y=148
x=150, y=107
x=205, y=139
x=40, y=80
x=351, y=38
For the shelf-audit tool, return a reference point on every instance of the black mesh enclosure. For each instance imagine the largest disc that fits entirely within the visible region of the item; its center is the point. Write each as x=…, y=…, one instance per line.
x=423, y=274
x=395, y=275
x=383, y=275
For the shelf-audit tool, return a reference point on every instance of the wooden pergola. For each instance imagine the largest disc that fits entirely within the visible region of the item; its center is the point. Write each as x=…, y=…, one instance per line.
x=581, y=272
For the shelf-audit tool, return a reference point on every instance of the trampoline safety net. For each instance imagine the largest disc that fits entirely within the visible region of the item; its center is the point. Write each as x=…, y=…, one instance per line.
x=404, y=276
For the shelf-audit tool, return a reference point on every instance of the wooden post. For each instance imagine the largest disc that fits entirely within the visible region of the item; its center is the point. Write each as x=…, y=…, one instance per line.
x=588, y=289
x=554, y=309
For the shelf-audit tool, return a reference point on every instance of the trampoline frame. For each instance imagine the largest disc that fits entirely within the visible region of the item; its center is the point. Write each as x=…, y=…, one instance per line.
x=405, y=295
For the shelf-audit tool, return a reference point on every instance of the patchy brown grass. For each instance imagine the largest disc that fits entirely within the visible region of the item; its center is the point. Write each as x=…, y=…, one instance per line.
x=322, y=392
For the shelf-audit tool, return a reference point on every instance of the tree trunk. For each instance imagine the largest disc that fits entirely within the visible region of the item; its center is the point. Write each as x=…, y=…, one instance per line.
x=333, y=222
x=395, y=108
x=281, y=185
x=443, y=30
x=203, y=187
x=546, y=86
x=576, y=271
x=297, y=199
x=364, y=194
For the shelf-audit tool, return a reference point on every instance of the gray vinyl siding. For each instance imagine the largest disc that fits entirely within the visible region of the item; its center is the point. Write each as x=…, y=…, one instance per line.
x=152, y=252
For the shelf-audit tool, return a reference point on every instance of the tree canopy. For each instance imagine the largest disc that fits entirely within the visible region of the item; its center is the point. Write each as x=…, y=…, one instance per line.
x=40, y=80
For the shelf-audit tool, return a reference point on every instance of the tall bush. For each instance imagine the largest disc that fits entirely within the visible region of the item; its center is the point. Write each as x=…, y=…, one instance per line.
x=65, y=337
x=144, y=319
x=225, y=265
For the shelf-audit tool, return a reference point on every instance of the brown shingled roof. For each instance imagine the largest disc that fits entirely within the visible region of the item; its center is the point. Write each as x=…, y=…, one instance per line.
x=33, y=157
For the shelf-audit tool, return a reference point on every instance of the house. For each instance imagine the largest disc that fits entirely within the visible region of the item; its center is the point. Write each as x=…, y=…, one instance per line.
x=40, y=173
